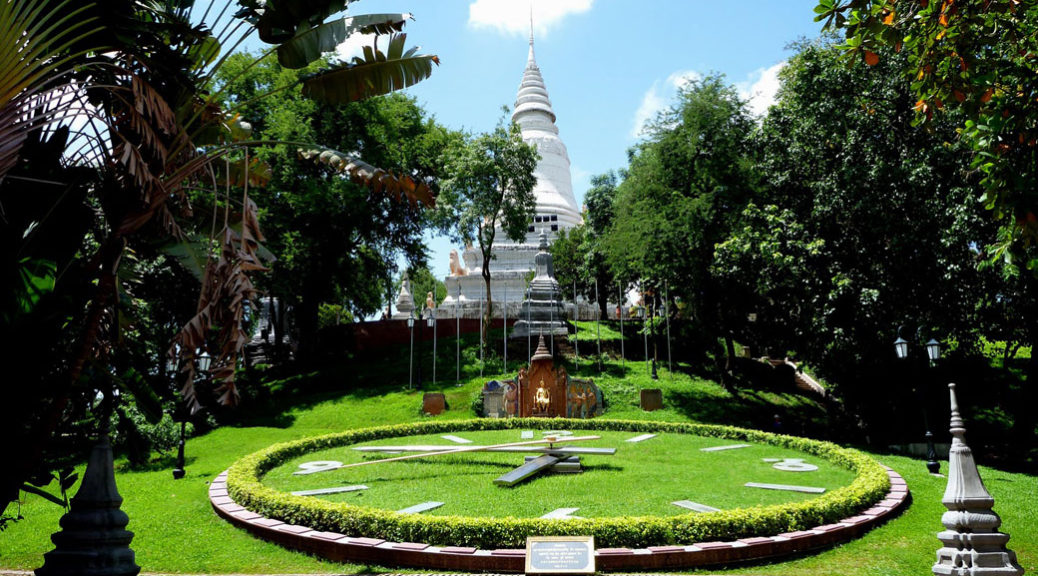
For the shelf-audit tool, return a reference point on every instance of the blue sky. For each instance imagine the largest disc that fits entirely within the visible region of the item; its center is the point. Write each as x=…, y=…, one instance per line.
x=607, y=64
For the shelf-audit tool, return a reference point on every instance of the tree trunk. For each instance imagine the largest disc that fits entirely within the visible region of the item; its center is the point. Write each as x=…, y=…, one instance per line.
x=306, y=321
x=729, y=350
x=486, y=313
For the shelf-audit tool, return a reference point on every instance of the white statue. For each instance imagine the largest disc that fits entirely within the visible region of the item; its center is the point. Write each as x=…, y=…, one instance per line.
x=456, y=268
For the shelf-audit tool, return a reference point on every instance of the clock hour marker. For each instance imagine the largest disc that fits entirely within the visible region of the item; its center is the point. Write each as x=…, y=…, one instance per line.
x=333, y=490
x=417, y=508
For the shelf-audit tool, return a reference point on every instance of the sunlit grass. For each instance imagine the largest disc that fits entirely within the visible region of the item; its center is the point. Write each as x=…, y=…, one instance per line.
x=177, y=531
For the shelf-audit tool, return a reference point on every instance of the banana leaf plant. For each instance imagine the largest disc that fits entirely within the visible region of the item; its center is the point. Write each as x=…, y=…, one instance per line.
x=136, y=81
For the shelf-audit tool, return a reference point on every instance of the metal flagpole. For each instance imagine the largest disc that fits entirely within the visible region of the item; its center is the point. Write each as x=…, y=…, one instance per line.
x=576, y=329
x=551, y=320
x=482, y=295
x=666, y=310
x=504, y=326
x=410, y=324
x=457, y=319
x=529, y=328
x=410, y=368
x=433, y=312
x=645, y=326
x=598, y=325
x=620, y=313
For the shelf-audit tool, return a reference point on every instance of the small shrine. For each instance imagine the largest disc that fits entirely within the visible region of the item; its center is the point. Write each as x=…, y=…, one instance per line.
x=542, y=391
x=404, y=300
x=542, y=312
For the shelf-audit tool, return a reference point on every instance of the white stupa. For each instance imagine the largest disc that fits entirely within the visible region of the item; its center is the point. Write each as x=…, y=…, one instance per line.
x=556, y=209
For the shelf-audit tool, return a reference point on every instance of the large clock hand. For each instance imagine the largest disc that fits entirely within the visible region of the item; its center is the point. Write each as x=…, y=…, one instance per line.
x=458, y=450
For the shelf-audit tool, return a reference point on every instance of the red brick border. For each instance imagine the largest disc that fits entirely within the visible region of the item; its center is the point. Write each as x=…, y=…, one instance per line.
x=342, y=548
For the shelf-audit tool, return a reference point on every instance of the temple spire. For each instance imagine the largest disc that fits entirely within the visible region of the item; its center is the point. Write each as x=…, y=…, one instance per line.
x=531, y=58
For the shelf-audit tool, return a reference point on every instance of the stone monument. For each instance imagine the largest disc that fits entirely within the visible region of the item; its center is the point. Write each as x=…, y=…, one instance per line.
x=500, y=399
x=493, y=400
x=541, y=392
x=544, y=391
x=556, y=210
x=93, y=537
x=972, y=543
x=404, y=300
x=543, y=311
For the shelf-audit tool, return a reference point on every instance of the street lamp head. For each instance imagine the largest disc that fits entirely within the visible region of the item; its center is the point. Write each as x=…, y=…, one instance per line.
x=933, y=350
x=204, y=361
x=410, y=320
x=901, y=347
x=430, y=319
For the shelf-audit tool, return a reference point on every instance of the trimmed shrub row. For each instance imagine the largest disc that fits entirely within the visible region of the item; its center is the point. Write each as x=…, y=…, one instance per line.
x=245, y=486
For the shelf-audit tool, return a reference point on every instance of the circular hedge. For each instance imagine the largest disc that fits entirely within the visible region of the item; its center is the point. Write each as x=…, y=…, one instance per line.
x=245, y=487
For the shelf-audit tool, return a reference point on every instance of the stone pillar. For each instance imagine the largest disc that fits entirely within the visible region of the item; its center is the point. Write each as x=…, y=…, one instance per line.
x=543, y=311
x=404, y=300
x=93, y=539
x=973, y=546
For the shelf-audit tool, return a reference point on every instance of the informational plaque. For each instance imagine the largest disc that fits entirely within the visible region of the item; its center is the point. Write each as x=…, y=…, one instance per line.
x=560, y=555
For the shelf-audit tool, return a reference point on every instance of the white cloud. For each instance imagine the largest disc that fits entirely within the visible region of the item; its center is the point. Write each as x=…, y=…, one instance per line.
x=513, y=17
x=581, y=182
x=355, y=43
x=657, y=97
x=760, y=87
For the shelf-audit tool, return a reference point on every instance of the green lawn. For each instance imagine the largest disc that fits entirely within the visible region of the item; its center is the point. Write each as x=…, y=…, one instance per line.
x=658, y=468
x=176, y=530
x=591, y=331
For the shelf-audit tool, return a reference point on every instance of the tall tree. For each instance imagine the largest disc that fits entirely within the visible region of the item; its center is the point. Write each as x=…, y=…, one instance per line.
x=683, y=191
x=489, y=189
x=160, y=134
x=863, y=224
x=975, y=57
x=599, y=216
x=335, y=241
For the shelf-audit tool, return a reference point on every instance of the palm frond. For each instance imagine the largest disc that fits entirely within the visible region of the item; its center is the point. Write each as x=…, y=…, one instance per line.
x=375, y=74
x=34, y=38
x=277, y=20
x=309, y=45
x=379, y=180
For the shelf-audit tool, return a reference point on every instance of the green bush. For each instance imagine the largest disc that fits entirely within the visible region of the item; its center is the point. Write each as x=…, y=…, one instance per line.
x=244, y=485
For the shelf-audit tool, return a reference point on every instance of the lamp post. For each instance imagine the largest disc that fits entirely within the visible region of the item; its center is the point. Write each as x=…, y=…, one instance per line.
x=420, y=320
x=933, y=354
x=643, y=312
x=666, y=312
x=431, y=322
x=204, y=362
x=620, y=313
x=410, y=368
x=504, y=328
x=576, y=329
x=598, y=326
x=457, y=333
x=655, y=345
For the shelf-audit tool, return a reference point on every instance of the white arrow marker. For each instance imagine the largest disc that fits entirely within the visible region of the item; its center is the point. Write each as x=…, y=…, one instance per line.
x=561, y=514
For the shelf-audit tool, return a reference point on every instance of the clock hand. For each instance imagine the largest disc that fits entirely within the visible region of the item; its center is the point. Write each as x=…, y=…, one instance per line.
x=550, y=441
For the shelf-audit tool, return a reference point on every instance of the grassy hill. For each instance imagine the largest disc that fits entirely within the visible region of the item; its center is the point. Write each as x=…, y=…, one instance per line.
x=177, y=532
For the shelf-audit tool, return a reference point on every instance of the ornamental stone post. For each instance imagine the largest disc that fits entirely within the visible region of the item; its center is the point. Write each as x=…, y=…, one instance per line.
x=973, y=546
